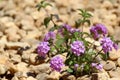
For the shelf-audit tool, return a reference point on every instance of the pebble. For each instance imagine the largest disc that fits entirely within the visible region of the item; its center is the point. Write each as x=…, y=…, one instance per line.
x=3, y=69
x=54, y=75
x=109, y=65
x=42, y=76
x=115, y=73
x=43, y=68
x=114, y=55
x=16, y=45
x=118, y=62
x=31, y=78
x=100, y=76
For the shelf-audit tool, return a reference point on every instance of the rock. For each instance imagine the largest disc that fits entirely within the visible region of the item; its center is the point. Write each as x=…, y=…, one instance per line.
x=115, y=73
x=71, y=77
x=54, y=76
x=43, y=68
x=35, y=34
x=118, y=62
x=84, y=78
x=3, y=59
x=22, y=66
x=109, y=65
x=100, y=76
x=114, y=55
x=107, y=4
x=11, y=67
x=20, y=74
x=16, y=45
x=3, y=41
x=42, y=76
x=35, y=15
x=31, y=78
x=25, y=57
x=3, y=69
x=16, y=58
x=15, y=78
x=114, y=79
x=33, y=58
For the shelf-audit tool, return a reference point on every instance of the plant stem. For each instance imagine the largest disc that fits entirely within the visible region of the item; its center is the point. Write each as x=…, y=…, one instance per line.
x=97, y=54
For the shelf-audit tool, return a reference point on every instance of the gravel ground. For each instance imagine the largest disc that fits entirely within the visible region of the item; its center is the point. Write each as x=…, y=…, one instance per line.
x=21, y=29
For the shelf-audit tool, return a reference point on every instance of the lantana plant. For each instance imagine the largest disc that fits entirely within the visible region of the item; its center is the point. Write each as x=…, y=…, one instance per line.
x=81, y=53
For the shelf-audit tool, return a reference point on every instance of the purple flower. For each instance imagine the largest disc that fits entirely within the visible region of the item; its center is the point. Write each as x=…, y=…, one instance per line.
x=72, y=30
x=115, y=46
x=56, y=63
x=107, y=44
x=76, y=66
x=43, y=49
x=49, y=35
x=97, y=30
x=97, y=66
x=77, y=48
x=67, y=27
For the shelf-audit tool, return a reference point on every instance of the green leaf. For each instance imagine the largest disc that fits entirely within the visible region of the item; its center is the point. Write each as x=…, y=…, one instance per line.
x=87, y=21
x=46, y=21
x=70, y=70
x=52, y=29
x=47, y=4
x=60, y=42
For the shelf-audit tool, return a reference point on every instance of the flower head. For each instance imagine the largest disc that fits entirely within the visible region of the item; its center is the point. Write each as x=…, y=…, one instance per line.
x=67, y=27
x=77, y=48
x=97, y=30
x=97, y=66
x=43, y=49
x=56, y=63
x=49, y=35
x=107, y=44
x=72, y=30
x=76, y=66
x=115, y=46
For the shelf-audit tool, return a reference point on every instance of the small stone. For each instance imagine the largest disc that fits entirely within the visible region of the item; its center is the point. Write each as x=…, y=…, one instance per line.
x=20, y=74
x=114, y=55
x=12, y=68
x=25, y=57
x=3, y=69
x=16, y=58
x=3, y=59
x=31, y=78
x=16, y=45
x=15, y=78
x=84, y=78
x=109, y=65
x=54, y=76
x=115, y=73
x=71, y=77
x=33, y=58
x=100, y=76
x=42, y=76
x=118, y=62
x=43, y=68
x=114, y=79
x=22, y=66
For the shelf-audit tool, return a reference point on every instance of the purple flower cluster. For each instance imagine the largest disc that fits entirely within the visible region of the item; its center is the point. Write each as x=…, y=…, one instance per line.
x=56, y=63
x=43, y=49
x=77, y=48
x=49, y=35
x=107, y=44
x=97, y=30
x=97, y=66
x=68, y=28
